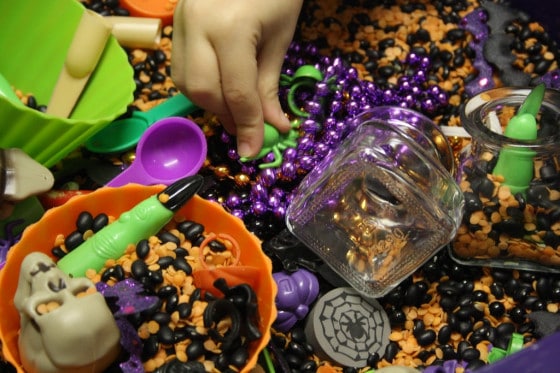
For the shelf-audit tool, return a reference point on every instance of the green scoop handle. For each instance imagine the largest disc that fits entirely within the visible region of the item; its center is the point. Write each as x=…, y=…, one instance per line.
x=515, y=163
x=124, y=134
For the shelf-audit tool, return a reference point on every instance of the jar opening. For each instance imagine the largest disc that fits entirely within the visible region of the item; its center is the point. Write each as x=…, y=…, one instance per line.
x=486, y=115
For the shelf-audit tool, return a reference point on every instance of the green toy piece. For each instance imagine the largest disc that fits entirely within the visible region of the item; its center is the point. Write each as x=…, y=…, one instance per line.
x=515, y=344
x=515, y=164
x=275, y=142
x=142, y=221
x=304, y=76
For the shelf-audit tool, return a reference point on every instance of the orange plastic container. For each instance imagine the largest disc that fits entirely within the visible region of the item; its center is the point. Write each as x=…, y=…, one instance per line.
x=162, y=9
x=254, y=266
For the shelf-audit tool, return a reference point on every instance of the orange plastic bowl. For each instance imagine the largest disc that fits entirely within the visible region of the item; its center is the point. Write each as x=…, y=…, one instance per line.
x=41, y=235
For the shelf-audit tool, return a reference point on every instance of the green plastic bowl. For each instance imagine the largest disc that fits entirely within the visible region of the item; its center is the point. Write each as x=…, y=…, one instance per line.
x=34, y=40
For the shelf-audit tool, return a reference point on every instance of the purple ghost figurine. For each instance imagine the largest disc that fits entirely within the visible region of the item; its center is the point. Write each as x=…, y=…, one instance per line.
x=296, y=292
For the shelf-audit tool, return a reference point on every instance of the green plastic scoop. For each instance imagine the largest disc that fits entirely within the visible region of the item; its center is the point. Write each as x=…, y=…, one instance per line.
x=124, y=134
x=515, y=164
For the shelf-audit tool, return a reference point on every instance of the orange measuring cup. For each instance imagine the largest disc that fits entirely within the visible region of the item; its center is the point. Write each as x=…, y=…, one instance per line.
x=162, y=9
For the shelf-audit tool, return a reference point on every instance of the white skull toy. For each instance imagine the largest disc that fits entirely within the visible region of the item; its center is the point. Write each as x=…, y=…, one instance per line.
x=80, y=335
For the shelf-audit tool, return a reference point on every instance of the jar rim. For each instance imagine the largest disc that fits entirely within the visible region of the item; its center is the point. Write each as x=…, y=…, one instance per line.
x=479, y=105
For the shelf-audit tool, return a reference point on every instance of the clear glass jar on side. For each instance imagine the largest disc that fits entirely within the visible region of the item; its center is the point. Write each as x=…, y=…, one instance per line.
x=382, y=203
x=510, y=224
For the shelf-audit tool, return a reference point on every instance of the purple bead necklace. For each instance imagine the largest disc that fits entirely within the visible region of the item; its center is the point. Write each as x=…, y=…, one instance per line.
x=335, y=100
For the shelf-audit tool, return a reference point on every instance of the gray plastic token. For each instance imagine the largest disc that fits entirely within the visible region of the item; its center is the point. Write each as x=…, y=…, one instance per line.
x=346, y=328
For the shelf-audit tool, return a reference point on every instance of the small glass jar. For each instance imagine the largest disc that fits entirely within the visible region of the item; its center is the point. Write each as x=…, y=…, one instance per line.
x=512, y=214
x=382, y=203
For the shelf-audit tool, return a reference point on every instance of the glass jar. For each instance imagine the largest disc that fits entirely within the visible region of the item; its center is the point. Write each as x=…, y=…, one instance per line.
x=382, y=203
x=512, y=212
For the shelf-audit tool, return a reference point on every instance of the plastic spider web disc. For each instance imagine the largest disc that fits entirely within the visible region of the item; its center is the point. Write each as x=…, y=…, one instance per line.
x=346, y=328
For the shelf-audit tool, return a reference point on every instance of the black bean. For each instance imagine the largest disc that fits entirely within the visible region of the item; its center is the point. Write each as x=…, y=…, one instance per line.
x=184, y=310
x=161, y=318
x=496, y=309
x=100, y=222
x=413, y=295
x=298, y=335
x=171, y=303
x=297, y=349
x=470, y=354
x=397, y=317
x=391, y=351
x=73, y=240
x=449, y=352
x=217, y=246
x=181, y=264
x=166, y=291
x=116, y=272
x=165, y=335
x=58, y=252
x=84, y=221
x=165, y=261
x=169, y=237
x=142, y=248
x=156, y=277
x=139, y=269
x=448, y=304
x=150, y=347
x=465, y=327
x=176, y=366
x=309, y=366
x=505, y=329
x=497, y=290
x=239, y=357
x=475, y=364
x=191, y=230
x=426, y=337
x=373, y=360
x=195, y=349
x=444, y=334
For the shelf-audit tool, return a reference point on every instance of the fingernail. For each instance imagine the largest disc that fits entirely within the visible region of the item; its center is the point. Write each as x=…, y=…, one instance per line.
x=244, y=149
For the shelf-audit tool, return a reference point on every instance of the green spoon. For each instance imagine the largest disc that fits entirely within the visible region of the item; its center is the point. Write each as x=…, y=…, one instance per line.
x=515, y=164
x=124, y=134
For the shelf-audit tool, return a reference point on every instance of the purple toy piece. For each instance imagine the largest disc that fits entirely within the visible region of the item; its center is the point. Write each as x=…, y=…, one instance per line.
x=296, y=292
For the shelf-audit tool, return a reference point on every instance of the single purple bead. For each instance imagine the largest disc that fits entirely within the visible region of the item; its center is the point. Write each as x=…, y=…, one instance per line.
x=225, y=137
x=279, y=211
x=248, y=169
x=307, y=162
x=278, y=192
x=336, y=106
x=268, y=158
x=238, y=213
x=428, y=105
x=322, y=89
x=273, y=201
x=259, y=208
x=267, y=177
x=310, y=126
x=233, y=201
x=321, y=150
x=259, y=191
x=305, y=143
x=288, y=170
x=232, y=154
x=412, y=59
x=289, y=155
x=313, y=107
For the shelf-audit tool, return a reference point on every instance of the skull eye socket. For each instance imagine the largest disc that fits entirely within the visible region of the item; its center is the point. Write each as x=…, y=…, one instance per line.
x=57, y=286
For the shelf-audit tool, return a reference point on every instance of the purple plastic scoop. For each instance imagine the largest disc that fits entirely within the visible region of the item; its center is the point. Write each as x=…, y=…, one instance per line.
x=170, y=149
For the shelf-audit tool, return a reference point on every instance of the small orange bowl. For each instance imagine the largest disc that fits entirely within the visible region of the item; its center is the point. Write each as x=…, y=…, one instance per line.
x=41, y=235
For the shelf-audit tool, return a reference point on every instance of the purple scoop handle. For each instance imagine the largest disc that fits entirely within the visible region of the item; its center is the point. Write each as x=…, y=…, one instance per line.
x=170, y=149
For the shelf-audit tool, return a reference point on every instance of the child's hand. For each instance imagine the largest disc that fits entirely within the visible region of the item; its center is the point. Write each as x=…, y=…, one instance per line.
x=227, y=58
